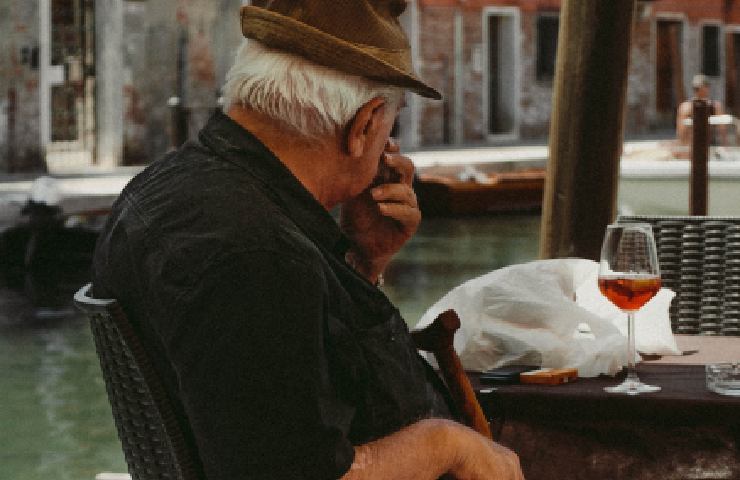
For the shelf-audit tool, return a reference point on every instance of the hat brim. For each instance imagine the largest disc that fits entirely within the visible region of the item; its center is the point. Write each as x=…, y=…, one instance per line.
x=287, y=34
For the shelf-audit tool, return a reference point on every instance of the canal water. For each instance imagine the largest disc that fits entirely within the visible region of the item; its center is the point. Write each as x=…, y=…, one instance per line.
x=55, y=422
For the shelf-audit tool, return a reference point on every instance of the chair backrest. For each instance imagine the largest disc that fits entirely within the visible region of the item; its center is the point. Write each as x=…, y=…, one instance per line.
x=699, y=259
x=151, y=437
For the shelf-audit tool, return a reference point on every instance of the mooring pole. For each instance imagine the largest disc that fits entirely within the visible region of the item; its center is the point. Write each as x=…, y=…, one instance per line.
x=586, y=126
x=698, y=183
x=179, y=112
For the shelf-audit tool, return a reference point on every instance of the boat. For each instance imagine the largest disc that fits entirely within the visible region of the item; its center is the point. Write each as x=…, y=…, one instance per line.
x=471, y=193
x=654, y=179
x=45, y=240
x=51, y=224
x=479, y=181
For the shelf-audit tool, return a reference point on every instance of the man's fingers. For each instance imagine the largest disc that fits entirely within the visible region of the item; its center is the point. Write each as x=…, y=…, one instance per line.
x=403, y=165
x=409, y=217
x=392, y=146
x=395, y=193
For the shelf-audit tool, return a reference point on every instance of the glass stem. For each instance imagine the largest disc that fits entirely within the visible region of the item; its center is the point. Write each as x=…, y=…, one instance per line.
x=631, y=371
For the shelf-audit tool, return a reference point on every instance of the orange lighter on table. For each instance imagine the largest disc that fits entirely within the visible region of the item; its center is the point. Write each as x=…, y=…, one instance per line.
x=549, y=376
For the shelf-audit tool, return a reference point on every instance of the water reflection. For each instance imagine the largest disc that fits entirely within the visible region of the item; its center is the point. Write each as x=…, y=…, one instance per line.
x=55, y=421
x=446, y=252
x=54, y=415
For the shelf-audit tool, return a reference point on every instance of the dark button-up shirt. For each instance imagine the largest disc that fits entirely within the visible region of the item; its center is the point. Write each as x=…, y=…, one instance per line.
x=280, y=355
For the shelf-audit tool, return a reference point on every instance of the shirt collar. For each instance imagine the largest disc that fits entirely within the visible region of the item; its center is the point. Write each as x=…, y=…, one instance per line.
x=232, y=142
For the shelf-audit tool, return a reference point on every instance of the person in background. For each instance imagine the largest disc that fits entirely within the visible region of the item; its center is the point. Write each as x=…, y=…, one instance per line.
x=701, y=87
x=262, y=313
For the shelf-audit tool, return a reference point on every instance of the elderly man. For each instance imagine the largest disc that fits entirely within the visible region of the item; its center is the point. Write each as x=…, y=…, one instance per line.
x=261, y=312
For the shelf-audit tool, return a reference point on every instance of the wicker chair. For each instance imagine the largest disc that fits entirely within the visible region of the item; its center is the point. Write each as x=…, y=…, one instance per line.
x=152, y=439
x=699, y=260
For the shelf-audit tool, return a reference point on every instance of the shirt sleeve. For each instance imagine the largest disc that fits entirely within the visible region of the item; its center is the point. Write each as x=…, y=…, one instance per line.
x=249, y=350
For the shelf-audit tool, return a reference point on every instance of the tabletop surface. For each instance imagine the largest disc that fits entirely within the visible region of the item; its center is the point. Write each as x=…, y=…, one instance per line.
x=702, y=349
x=684, y=398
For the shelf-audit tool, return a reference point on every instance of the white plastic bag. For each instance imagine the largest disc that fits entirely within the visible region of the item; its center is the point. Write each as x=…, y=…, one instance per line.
x=529, y=314
x=653, y=333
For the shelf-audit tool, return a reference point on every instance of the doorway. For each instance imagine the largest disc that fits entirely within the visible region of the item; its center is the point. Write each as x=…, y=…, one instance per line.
x=669, y=71
x=501, y=86
x=70, y=80
x=732, y=85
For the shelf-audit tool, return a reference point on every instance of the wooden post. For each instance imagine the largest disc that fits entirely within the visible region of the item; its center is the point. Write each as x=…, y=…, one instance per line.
x=179, y=113
x=12, y=108
x=698, y=195
x=586, y=126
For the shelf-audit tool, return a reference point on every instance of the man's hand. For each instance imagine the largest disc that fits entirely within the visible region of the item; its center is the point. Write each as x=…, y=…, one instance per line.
x=431, y=449
x=483, y=459
x=383, y=217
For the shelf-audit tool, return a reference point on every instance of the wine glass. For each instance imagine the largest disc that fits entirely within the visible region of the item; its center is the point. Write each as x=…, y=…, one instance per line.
x=629, y=277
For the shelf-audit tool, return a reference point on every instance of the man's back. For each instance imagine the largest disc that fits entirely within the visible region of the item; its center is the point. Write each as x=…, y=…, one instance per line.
x=236, y=279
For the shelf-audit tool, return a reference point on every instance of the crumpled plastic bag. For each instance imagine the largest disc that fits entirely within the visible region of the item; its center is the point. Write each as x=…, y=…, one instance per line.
x=548, y=313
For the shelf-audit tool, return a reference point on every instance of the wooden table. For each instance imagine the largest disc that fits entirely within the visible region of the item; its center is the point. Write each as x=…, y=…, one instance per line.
x=700, y=350
x=577, y=431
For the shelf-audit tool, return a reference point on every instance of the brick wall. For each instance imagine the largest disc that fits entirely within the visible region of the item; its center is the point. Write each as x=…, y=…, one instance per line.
x=19, y=93
x=473, y=123
x=210, y=31
x=536, y=101
x=437, y=40
x=641, y=82
x=436, y=32
x=205, y=33
x=437, y=36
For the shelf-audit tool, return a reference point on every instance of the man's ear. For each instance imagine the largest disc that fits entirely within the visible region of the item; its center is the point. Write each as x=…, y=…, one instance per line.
x=364, y=125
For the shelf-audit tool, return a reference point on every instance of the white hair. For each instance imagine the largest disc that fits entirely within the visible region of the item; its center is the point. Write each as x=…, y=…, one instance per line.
x=312, y=100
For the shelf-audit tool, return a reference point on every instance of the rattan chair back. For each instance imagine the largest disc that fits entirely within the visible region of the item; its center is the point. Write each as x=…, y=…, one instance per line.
x=699, y=259
x=151, y=437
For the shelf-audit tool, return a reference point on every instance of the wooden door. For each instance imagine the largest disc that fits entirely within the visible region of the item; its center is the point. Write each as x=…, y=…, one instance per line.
x=669, y=72
x=732, y=93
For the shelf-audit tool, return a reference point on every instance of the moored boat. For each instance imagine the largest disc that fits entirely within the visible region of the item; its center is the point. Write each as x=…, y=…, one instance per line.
x=654, y=179
x=480, y=181
x=480, y=193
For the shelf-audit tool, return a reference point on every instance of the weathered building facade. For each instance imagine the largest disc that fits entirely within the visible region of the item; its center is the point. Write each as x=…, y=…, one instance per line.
x=19, y=85
x=111, y=82
x=96, y=82
x=494, y=61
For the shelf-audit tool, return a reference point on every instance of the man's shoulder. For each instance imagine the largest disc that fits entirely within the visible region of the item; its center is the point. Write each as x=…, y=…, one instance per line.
x=192, y=201
x=191, y=179
x=192, y=162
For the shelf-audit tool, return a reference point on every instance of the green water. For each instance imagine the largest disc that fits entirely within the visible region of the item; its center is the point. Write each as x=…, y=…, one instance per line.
x=55, y=421
x=446, y=252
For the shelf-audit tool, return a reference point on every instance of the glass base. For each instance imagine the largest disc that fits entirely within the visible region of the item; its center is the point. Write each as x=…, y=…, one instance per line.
x=632, y=386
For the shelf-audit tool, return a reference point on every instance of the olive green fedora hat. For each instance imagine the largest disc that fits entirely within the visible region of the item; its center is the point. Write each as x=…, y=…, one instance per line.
x=358, y=37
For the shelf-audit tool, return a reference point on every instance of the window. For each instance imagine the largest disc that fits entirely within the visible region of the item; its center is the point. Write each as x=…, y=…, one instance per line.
x=547, y=46
x=710, y=50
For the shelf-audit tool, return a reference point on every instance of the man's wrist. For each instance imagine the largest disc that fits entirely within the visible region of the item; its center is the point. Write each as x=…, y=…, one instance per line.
x=372, y=270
